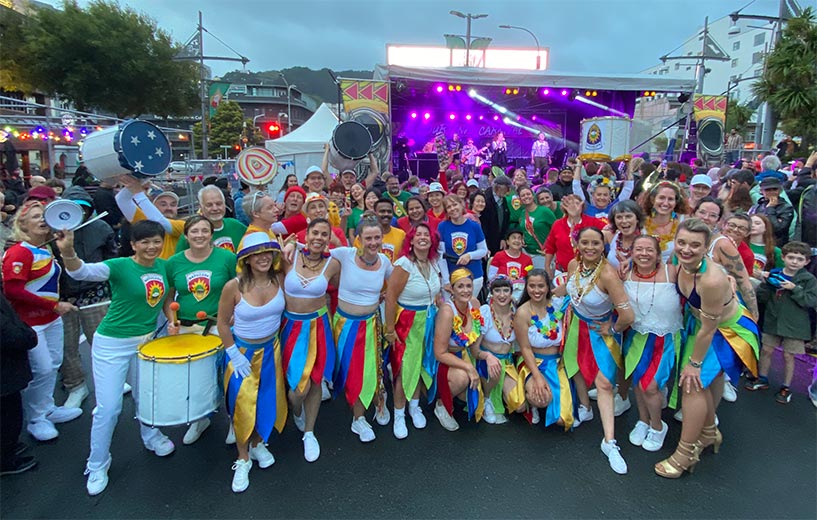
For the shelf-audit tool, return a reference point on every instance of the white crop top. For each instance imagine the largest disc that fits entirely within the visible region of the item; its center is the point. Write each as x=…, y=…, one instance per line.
x=537, y=340
x=358, y=286
x=419, y=290
x=298, y=286
x=594, y=304
x=489, y=331
x=251, y=322
x=657, y=306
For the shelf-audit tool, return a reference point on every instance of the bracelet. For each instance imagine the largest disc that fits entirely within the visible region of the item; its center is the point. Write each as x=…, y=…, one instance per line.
x=695, y=364
x=70, y=257
x=623, y=305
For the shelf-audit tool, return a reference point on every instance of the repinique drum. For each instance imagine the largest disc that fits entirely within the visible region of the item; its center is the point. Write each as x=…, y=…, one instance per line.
x=351, y=142
x=134, y=147
x=178, y=379
x=605, y=139
x=63, y=214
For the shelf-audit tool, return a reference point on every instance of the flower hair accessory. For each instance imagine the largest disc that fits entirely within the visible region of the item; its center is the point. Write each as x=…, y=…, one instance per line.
x=600, y=181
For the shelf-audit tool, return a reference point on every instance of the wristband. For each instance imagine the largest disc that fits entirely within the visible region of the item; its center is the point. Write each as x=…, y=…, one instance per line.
x=695, y=364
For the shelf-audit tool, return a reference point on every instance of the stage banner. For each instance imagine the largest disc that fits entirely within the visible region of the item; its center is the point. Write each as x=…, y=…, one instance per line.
x=217, y=94
x=367, y=102
x=705, y=106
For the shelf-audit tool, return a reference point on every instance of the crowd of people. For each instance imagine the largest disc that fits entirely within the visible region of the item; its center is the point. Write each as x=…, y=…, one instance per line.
x=512, y=293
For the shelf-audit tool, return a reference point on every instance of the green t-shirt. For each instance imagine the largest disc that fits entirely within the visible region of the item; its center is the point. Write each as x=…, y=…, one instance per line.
x=515, y=210
x=137, y=293
x=539, y=221
x=198, y=285
x=228, y=237
x=760, y=257
x=354, y=218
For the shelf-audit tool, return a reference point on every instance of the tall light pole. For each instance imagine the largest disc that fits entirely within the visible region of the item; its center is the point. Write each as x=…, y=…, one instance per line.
x=468, y=17
x=289, y=101
x=535, y=39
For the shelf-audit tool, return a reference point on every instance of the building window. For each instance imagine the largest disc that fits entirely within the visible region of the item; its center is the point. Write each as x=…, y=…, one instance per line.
x=735, y=46
x=760, y=39
x=757, y=57
x=734, y=63
x=263, y=92
x=677, y=66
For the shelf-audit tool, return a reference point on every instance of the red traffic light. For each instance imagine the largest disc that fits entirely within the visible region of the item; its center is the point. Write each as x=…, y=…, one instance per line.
x=273, y=127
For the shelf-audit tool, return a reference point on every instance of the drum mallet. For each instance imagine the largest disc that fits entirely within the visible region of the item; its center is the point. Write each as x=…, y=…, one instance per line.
x=211, y=320
x=174, y=307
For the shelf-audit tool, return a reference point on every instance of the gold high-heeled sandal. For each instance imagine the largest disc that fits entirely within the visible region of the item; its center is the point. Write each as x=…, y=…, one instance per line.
x=685, y=457
x=710, y=436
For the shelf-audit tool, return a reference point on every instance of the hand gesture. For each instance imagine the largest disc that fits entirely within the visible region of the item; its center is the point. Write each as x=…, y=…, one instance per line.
x=690, y=379
x=788, y=285
x=464, y=259
x=64, y=308
x=473, y=377
x=494, y=366
x=65, y=241
x=539, y=388
x=172, y=328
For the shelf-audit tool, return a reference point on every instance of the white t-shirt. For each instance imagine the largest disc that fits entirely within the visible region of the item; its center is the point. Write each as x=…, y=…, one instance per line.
x=358, y=286
x=418, y=291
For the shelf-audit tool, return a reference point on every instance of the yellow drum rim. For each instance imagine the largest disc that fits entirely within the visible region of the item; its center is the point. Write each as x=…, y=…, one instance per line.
x=181, y=348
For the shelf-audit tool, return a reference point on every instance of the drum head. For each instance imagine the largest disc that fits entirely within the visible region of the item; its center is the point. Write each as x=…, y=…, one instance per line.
x=63, y=214
x=143, y=148
x=352, y=140
x=373, y=124
x=180, y=348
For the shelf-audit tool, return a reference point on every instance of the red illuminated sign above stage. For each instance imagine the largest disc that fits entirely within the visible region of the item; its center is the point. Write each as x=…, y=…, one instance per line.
x=491, y=58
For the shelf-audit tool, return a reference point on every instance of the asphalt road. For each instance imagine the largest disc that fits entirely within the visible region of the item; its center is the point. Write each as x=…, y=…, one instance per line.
x=767, y=468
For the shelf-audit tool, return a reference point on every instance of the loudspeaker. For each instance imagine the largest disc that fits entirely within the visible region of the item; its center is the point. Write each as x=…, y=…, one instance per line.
x=710, y=136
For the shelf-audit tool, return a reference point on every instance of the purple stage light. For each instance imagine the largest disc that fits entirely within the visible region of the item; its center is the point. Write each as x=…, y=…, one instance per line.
x=545, y=92
x=426, y=116
x=533, y=118
x=496, y=117
x=439, y=89
x=452, y=116
x=468, y=117
x=414, y=115
x=519, y=118
x=481, y=118
x=564, y=92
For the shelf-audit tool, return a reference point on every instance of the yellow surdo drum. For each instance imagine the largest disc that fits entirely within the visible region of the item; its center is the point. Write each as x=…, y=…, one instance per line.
x=178, y=379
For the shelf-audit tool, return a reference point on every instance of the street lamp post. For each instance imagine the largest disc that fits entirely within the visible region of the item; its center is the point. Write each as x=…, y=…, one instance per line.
x=535, y=39
x=468, y=17
x=289, y=101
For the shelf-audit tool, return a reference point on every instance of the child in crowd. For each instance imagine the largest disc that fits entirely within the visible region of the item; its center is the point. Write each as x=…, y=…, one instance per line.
x=788, y=293
x=512, y=262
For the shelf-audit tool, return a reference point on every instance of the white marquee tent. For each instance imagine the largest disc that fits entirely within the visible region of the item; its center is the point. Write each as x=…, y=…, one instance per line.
x=304, y=146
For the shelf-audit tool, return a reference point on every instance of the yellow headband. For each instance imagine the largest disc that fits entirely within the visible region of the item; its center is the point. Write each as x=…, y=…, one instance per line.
x=459, y=274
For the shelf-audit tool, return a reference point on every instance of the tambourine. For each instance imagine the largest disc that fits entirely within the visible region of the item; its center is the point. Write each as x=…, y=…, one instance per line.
x=256, y=166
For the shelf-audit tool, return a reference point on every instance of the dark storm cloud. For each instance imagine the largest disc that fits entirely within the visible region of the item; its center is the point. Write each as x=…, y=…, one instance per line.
x=604, y=36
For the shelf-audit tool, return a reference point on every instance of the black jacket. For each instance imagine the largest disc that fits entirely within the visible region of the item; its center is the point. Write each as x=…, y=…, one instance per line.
x=16, y=339
x=780, y=215
x=105, y=200
x=494, y=232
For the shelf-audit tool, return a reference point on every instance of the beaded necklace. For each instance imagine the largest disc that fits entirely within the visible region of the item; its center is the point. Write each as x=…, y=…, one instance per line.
x=462, y=338
x=663, y=238
x=498, y=324
x=550, y=327
x=593, y=274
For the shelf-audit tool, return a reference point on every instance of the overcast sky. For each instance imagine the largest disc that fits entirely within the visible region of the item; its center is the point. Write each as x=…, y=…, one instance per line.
x=607, y=36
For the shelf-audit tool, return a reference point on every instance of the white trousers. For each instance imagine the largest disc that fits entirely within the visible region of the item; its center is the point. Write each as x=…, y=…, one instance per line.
x=113, y=361
x=45, y=360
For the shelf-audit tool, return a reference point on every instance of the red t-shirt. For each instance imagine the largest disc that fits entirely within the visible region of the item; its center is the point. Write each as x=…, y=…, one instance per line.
x=31, y=283
x=514, y=268
x=295, y=224
x=559, y=242
x=439, y=218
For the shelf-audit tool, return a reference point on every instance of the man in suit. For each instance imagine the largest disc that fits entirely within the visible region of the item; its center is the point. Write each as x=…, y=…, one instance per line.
x=496, y=216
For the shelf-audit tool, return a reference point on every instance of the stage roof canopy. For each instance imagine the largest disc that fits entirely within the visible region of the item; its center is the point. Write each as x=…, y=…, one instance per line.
x=531, y=78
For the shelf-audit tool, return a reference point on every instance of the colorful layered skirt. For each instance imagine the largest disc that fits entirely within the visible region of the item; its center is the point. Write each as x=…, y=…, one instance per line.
x=649, y=357
x=357, y=363
x=309, y=348
x=412, y=355
x=563, y=403
x=256, y=402
x=588, y=351
x=516, y=397
x=473, y=397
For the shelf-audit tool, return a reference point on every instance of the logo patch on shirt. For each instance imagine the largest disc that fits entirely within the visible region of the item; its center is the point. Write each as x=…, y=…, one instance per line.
x=388, y=250
x=516, y=203
x=154, y=288
x=224, y=243
x=514, y=270
x=198, y=283
x=17, y=267
x=459, y=242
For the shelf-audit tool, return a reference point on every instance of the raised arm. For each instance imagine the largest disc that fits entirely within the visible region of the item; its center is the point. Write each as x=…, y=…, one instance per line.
x=577, y=181
x=374, y=171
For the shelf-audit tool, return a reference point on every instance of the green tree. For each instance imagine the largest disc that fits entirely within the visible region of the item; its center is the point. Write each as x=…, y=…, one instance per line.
x=737, y=116
x=11, y=43
x=104, y=57
x=660, y=143
x=228, y=128
x=789, y=83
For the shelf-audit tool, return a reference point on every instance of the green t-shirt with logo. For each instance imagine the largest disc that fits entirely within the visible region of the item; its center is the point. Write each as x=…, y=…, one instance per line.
x=539, y=222
x=137, y=293
x=198, y=285
x=228, y=237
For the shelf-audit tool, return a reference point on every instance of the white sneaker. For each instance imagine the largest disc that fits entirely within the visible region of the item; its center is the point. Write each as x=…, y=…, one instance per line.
x=655, y=438
x=730, y=393
x=42, y=430
x=679, y=415
x=489, y=414
x=399, y=426
x=593, y=394
x=613, y=453
x=195, y=430
x=417, y=417
x=97, y=480
x=382, y=415
x=446, y=421
x=363, y=429
x=76, y=396
x=160, y=445
x=126, y=389
x=241, y=477
x=300, y=420
x=260, y=453
x=230, y=439
x=534, y=416
x=325, y=393
x=620, y=405
x=639, y=433
x=63, y=414
x=585, y=413
x=312, y=450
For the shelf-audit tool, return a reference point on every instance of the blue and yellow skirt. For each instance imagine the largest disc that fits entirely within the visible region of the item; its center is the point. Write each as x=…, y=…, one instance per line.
x=516, y=398
x=563, y=403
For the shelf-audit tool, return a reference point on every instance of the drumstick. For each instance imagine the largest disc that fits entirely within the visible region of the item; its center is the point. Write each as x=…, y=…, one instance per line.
x=99, y=304
x=174, y=308
x=201, y=315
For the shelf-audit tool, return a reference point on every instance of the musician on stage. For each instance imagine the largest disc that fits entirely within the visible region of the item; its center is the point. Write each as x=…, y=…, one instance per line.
x=455, y=148
x=499, y=151
x=469, y=155
x=540, y=155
